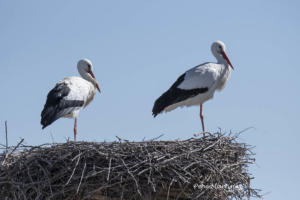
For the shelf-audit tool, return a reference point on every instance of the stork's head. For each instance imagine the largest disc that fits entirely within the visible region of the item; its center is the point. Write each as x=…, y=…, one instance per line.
x=85, y=69
x=218, y=48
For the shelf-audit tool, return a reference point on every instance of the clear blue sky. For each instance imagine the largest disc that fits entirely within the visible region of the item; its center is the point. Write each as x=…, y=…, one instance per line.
x=138, y=49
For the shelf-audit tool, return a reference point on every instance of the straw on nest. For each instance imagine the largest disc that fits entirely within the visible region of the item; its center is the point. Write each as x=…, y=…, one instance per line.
x=210, y=167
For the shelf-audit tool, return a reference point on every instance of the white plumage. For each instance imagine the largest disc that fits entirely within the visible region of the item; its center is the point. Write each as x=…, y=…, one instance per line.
x=80, y=90
x=198, y=84
x=70, y=95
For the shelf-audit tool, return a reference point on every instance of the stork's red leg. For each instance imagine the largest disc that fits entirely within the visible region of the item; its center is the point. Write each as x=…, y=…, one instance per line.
x=75, y=129
x=202, y=119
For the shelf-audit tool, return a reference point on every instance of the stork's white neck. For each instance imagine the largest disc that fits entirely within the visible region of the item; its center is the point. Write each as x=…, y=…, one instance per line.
x=85, y=75
x=220, y=59
x=225, y=72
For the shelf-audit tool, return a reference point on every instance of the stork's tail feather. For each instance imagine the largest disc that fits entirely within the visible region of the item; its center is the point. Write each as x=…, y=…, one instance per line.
x=51, y=113
x=160, y=104
x=173, y=96
x=166, y=98
x=48, y=116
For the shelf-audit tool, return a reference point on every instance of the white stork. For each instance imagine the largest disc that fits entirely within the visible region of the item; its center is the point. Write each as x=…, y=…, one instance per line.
x=198, y=84
x=70, y=95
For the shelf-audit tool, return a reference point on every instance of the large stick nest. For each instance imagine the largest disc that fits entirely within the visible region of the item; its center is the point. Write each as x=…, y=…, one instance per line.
x=210, y=167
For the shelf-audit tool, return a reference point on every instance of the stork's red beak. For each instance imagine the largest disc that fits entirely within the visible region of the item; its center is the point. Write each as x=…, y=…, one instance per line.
x=227, y=59
x=97, y=86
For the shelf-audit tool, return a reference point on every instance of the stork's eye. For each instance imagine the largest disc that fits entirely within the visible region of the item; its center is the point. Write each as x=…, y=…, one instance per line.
x=89, y=66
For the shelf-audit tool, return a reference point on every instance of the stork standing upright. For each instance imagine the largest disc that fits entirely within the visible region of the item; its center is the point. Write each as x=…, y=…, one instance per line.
x=198, y=84
x=70, y=95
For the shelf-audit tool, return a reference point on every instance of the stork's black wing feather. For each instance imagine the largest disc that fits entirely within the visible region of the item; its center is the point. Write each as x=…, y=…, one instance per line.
x=174, y=95
x=56, y=106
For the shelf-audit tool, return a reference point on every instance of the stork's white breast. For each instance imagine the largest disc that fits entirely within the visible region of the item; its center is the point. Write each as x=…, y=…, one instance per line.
x=80, y=89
